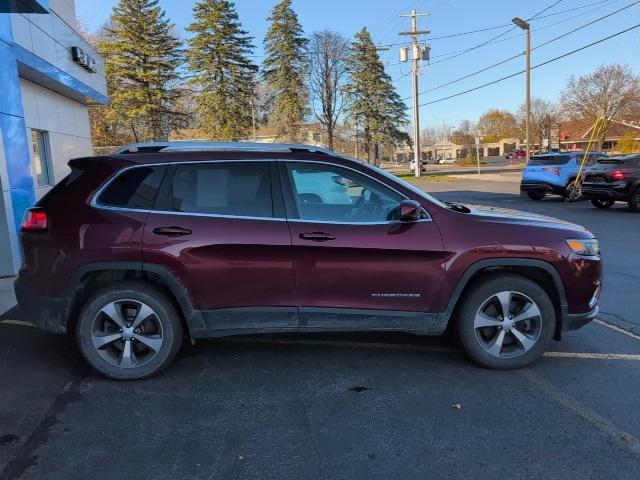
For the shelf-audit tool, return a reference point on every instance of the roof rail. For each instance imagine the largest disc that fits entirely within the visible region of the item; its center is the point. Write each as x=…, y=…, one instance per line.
x=155, y=147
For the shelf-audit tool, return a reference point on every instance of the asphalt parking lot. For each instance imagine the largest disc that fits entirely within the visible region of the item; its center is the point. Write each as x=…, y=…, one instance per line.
x=344, y=406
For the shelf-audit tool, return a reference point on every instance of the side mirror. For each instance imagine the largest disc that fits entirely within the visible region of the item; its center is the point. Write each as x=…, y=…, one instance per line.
x=410, y=211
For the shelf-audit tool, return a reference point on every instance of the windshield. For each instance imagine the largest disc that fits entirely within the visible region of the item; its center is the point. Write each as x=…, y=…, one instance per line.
x=549, y=160
x=409, y=186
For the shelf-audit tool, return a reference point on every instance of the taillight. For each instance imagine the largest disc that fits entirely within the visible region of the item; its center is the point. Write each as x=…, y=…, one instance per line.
x=552, y=170
x=617, y=175
x=35, y=219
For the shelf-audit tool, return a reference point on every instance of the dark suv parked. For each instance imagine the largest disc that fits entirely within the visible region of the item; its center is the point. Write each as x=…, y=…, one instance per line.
x=134, y=250
x=614, y=179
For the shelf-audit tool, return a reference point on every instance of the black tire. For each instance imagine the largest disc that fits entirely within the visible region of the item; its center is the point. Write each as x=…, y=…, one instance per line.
x=570, y=195
x=536, y=194
x=602, y=203
x=634, y=200
x=163, y=327
x=541, y=327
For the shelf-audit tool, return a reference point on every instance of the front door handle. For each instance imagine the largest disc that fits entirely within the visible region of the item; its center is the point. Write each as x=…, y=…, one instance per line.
x=172, y=231
x=317, y=236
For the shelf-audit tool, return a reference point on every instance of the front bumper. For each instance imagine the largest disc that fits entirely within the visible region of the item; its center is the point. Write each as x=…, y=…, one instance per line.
x=541, y=186
x=574, y=321
x=45, y=312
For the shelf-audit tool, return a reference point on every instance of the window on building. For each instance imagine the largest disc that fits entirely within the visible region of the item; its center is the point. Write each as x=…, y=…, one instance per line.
x=41, y=158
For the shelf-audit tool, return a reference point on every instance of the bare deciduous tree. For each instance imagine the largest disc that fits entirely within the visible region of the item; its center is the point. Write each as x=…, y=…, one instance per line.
x=611, y=92
x=543, y=114
x=328, y=53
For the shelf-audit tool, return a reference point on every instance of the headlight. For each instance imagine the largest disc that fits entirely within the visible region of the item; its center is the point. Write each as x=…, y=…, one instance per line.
x=583, y=246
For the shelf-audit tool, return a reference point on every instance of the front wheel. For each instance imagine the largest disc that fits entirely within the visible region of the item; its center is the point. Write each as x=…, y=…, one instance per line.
x=602, y=203
x=129, y=331
x=506, y=322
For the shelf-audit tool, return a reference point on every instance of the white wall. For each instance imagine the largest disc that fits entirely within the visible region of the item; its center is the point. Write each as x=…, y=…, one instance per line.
x=65, y=120
x=66, y=10
x=51, y=37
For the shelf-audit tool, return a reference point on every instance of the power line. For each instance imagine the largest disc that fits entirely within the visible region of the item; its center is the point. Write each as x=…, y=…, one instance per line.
x=451, y=55
x=475, y=47
x=534, y=48
x=545, y=10
x=495, y=27
x=534, y=67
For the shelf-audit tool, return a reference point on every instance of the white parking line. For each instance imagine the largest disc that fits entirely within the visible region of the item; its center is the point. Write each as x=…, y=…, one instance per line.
x=617, y=329
x=593, y=356
x=411, y=347
x=603, y=424
x=22, y=323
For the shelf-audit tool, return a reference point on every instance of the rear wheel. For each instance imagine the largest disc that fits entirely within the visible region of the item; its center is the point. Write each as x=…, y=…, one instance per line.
x=573, y=191
x=129, y=331
x=634, y=200
x=535, y=194
x=602, y=203
x=506, y=322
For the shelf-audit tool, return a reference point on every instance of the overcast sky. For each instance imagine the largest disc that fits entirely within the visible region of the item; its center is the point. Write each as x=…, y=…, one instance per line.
x=448, y=17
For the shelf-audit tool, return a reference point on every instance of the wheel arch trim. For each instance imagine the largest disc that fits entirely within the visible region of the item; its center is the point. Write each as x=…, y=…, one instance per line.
x=192, y=317
x=480, y=265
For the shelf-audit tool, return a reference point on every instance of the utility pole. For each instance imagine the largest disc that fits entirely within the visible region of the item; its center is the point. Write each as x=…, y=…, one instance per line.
x=419, y=52
x=524, y=25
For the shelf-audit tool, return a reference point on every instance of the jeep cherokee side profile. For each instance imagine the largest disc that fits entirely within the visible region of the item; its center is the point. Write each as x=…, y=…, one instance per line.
x=136, y=250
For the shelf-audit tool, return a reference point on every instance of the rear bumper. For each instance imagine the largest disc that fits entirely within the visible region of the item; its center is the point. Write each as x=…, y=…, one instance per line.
x=574, y=321
x=590, y=190
x=44, y=312
x=541, y=186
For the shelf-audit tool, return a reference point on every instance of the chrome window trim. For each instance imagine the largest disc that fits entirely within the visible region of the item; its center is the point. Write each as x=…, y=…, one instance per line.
x=96, y=195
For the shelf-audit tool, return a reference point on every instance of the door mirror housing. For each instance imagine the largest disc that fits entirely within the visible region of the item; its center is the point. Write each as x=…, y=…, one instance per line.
x=410, y=211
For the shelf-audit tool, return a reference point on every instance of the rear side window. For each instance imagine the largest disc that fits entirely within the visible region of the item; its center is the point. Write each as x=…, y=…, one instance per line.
x=549, y=160
x=135, y=188
x=633, y=162
x=237, y=189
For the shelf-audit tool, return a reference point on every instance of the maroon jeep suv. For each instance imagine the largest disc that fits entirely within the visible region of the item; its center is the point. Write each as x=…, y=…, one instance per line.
x=136, y=250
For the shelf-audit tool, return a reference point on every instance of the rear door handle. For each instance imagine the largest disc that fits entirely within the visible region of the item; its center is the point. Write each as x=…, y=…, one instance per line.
x=172, y=231
x=317, y=236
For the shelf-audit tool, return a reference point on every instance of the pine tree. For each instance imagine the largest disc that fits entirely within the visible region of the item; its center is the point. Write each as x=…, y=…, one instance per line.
x=142, y=55
x=224, y=75
x=373, y=104
x=285, y=70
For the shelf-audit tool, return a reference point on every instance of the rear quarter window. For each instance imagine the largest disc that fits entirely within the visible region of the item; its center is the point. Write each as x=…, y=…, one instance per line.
x=134, y=188
x=632, y=162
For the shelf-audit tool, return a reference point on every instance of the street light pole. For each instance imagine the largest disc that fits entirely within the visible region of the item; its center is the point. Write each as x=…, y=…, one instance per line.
x=524, y=25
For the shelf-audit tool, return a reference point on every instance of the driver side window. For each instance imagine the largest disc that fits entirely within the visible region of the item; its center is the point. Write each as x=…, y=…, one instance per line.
x=333, y=194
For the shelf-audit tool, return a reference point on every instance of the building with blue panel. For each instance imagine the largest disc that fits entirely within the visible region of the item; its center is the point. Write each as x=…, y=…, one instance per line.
x=48, y=78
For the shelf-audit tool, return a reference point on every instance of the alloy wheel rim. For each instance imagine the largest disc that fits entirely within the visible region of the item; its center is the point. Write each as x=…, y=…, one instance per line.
x=508, y=324
x=127, y=333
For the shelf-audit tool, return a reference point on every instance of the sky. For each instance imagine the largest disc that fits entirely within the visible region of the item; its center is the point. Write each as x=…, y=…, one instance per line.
x=449, y=17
